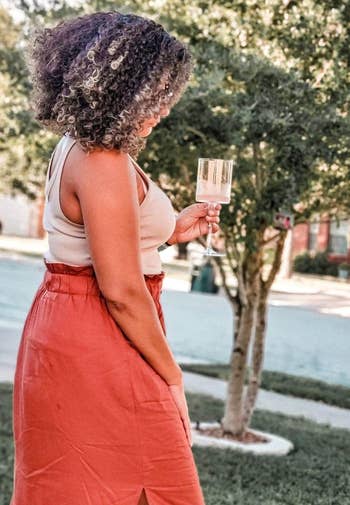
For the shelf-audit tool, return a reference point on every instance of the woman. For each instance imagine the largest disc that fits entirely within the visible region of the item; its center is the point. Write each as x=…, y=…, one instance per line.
x=99, y=410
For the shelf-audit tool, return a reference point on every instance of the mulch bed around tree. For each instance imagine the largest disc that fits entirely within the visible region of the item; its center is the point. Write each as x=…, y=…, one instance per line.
x=248, y=436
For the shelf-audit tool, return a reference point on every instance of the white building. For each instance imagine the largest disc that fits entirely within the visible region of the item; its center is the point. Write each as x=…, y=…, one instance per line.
x=21, y=216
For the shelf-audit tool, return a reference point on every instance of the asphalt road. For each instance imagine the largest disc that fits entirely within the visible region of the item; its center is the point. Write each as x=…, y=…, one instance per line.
x=303, y=338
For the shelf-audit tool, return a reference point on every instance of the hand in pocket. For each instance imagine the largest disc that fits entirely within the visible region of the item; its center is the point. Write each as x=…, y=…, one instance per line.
x=178, y=393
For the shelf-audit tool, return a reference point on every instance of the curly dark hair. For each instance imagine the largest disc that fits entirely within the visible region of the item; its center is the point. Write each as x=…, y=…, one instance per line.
x=99, y=76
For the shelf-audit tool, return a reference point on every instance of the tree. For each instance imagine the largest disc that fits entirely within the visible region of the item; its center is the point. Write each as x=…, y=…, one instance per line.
x=288, y=137
x=25, y=146
x=280, y=137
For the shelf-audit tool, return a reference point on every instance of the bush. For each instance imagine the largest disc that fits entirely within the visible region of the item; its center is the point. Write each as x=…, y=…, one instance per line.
x=323, y=266
x=303, y=263
x=315, y=264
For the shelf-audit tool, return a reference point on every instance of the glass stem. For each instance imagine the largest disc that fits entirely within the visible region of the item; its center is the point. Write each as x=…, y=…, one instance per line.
x=210, y=228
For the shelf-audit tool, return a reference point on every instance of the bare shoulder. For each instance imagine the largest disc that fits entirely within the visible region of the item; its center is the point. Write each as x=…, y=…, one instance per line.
x=100, y=163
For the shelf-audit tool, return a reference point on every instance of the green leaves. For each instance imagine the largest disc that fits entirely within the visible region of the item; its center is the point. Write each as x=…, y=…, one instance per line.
x=269, y=89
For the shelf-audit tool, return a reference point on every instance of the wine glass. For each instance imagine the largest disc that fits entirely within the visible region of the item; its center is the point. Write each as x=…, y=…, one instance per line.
x=214, y=180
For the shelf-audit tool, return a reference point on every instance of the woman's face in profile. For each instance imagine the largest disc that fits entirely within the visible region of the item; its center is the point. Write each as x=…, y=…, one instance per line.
x=150, y=123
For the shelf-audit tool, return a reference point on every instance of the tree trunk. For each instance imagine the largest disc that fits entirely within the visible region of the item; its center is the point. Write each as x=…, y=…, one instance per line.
x=260, y=332
x=257, y=358
x=233, y=421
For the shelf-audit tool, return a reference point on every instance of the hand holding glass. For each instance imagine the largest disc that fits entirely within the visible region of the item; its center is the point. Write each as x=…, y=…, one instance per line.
x=214, y=180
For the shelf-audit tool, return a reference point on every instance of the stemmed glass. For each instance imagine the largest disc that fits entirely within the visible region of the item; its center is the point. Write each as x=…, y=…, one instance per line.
x=214, y=180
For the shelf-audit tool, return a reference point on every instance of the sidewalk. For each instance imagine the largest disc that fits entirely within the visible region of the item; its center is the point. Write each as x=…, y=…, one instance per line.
x=23, y=245
x=273, y=402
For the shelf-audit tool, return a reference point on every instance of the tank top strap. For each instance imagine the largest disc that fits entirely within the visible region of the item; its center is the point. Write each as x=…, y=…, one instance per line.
x=56, y=163
x=144, y=185
x=147, y=186
x=50, y=177
x=53, y=186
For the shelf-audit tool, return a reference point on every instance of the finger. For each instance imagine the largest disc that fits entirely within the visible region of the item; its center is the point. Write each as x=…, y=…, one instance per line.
x=202, y=207
x=184, y=424
x=189, y=434
x=212, y=212
x=212, y=219
x=209, y=207
x=190, y=430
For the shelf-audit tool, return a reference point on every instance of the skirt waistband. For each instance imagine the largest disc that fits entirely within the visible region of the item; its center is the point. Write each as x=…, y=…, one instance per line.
x=65, y=278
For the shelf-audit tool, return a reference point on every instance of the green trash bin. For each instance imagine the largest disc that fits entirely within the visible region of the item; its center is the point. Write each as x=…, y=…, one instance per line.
x=204, y=282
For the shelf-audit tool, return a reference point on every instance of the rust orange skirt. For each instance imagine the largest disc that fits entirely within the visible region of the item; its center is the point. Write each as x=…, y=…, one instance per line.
x=93, y=422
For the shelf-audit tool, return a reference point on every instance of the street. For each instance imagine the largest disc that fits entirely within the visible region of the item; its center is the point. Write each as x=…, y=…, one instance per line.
x=302, y=338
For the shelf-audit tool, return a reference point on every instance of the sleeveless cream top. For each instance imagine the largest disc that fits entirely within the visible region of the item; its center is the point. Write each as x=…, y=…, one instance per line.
x=67, y=240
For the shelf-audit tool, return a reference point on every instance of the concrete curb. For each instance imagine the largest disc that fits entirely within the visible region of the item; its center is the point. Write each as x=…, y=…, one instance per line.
x=276, y=446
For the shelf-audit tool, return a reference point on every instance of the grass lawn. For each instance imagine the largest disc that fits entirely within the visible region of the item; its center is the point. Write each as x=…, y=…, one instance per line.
x=284, y=383
x=317, y=472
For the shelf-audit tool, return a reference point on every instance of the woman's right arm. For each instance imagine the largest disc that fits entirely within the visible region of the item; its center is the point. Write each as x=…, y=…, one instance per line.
x=107, y=191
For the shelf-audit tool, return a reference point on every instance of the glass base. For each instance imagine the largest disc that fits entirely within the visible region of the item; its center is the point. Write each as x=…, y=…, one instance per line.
x=210, y=252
